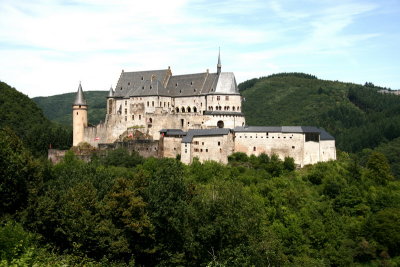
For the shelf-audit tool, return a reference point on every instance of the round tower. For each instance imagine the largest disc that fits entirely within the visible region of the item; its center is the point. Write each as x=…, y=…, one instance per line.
x=79, y=117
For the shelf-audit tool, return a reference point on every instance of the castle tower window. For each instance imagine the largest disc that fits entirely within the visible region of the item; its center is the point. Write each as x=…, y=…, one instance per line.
x=177, y=110
x=219, y=143
x=151, y=87
x=220, y=124
x=191, y=83
x=140, y=117
x=151, y=120
x=176, y=85
x=152, y=103
x=126, y=111
x=148, y=103
x=183, y=110
x=133, y=117
x=126, y=102
x=227, y=97
x=129, y=83
x=233, y=108
x=142, y=87
x=194, y=109
x=218, y=97
x=142, y=78
x=238, y=108
x=254, y=148
x=188, y=109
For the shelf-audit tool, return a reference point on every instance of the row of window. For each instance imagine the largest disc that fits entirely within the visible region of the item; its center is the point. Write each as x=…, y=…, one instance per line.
x=226, y=97
x=187, y=109
x=226, y=108
x=202, y=143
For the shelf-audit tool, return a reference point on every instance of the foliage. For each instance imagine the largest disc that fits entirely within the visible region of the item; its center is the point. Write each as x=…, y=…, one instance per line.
x=26, y=119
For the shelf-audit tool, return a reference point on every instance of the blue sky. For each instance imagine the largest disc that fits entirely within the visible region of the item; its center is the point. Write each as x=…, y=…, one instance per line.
x=48, y=46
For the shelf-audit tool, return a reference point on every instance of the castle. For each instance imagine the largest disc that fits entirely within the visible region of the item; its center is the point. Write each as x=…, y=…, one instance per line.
x=193, y=115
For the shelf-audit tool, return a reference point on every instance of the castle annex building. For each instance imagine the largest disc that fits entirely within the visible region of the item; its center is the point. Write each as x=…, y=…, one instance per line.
x=193, y=115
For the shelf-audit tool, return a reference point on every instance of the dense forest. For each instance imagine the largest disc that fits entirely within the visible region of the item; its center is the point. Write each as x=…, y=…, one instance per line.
x=123, y=210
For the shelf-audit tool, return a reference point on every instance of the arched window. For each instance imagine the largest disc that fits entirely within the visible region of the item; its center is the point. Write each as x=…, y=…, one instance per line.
x=238, y=108
x=254, y=149
x=220, y=108
x=220, y=124
x=183, y=109
x=227, y=108
x=150, y=120
x=188, y=109
x=216, y=107
x=147, y=103
x=194, y=109
x=177, y=110
x=233, y=108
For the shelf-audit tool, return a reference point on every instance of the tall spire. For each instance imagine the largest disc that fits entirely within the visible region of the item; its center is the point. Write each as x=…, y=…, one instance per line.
x=219, y=61
x=111, y=92
x=80, y=97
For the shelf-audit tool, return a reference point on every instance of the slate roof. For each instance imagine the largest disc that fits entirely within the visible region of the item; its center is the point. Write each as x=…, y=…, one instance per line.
x=324, y=135
x=173, y=132
x=204, y=132
x=80, y=97
x=163, y=83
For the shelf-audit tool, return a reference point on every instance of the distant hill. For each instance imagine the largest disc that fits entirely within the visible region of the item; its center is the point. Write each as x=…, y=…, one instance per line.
x=358, y=116
x=19, y=113
x=58, y=108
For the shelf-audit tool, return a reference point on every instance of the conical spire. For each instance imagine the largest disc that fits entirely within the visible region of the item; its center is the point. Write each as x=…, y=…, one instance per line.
x=80, y=97
x=111, y=92
x=219, y=61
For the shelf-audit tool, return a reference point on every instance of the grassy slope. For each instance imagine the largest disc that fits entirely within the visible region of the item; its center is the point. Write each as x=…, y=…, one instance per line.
x=58, y=108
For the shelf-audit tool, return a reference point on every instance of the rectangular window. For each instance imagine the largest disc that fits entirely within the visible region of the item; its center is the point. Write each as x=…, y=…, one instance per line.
x=227, y=97
x=218, y=97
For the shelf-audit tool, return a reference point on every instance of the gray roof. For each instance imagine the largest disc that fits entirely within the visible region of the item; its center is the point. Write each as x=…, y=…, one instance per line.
x=204, y=132
x=173, y=132
x=80, y=97
x=226, y=84
x=163, y=83
x=286, y=129
x=111, y=92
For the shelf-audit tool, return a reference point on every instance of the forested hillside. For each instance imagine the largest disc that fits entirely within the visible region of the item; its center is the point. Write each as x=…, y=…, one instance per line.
x=123, y=210
x=25, y=118
x=358, y=116
x=58, y=108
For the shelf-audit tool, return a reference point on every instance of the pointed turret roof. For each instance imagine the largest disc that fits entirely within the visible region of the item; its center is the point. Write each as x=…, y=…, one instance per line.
x=111, y=92
x=80, y=97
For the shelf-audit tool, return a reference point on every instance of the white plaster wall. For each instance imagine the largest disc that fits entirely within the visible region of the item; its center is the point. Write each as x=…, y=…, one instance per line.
x=186, y=153
x=281, y=144
x=327, y=150
x=216, y=148
x=311, y=152
x=230, y=121
x=234, y=102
